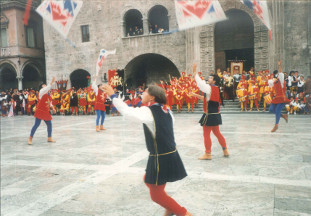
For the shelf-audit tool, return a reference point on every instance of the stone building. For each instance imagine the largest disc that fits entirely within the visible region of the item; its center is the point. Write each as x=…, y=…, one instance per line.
x=22, y=60
x=147, y=56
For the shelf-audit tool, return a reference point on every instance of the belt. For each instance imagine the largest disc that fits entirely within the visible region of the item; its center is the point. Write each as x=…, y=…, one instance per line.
x=153, y=155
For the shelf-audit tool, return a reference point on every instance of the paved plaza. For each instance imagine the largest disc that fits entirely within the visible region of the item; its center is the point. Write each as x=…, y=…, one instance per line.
x=87, y=173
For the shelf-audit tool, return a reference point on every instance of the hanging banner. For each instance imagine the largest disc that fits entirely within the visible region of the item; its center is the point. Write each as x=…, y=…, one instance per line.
x=192, y=13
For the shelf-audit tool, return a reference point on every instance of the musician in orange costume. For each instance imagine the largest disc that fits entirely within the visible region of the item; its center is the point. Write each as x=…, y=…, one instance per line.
x=43, y=111
x=32, y=98
x=242, y=92
x=55, y=99
x=169, y=96
x=253, y=92
x=90, y=100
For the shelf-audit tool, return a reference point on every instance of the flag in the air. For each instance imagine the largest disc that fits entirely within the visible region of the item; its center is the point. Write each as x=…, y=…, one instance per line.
x=11, y=113
x=60, y=14
x=260, y=8
x=197, y=13
x=102, y=55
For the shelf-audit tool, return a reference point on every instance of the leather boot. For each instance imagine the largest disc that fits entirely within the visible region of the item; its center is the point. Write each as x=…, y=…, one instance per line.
x=102, y=127
x=206, y=156
x=226, y=152
x=285, y=117
x=168, y=213
x=275, y=128
x=30, y=140
x=97, y=129
x=51, y=140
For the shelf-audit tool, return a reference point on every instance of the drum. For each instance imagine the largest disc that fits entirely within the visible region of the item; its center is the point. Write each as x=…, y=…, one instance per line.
x=268, y=99
x=240, y=95
x=252, y=96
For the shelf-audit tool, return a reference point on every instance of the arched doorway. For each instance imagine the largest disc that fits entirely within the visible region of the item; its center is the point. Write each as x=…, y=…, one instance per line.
x=149, y=68
x=8, y=77
x=158, y=18
x=31, y=77
x=234, y=40
x=80, y=79
x=133, y=23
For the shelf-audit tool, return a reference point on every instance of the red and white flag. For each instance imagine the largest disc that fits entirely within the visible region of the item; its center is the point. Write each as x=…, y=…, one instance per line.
x=192, y=13
x=102, y=55
x=11, y=113
x=60, y=14
x=260, y=8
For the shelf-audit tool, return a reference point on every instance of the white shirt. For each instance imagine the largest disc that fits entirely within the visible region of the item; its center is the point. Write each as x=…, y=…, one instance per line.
x=44, y=91
x=290, y=79
x=138, y=114
x=300, y=83
x=204, y=87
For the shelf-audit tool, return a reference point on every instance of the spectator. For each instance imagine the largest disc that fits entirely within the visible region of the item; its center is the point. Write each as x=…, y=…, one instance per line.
x=155, y=30
x=130, y=32
x=300, y=84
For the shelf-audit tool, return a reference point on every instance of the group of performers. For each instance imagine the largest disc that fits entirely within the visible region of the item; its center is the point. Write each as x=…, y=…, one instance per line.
x=164, y=163
x=255, y=90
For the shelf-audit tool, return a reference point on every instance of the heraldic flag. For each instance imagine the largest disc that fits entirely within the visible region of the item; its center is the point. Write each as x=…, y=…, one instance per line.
x=60, y=14
x=198, y=13
x=102, y=55
x=260, y=8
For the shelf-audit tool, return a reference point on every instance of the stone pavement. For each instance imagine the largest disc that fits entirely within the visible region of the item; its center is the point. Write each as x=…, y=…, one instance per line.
x=88, y=173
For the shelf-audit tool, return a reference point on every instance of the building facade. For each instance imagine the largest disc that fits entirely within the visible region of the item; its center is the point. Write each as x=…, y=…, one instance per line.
x=131, y=28
x=22, y=60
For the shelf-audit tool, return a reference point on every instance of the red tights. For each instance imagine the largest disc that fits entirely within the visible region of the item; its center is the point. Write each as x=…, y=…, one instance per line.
x=158, y=195
x=207, y=137
x=74, y=109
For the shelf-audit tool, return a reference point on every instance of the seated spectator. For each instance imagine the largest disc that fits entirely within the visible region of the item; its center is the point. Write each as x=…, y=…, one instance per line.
x=150, y=30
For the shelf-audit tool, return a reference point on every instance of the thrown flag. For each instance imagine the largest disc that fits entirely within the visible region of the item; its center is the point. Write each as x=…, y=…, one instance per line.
x=60, y=14
x=102, y=55
x=194, y=13
x=260, y=8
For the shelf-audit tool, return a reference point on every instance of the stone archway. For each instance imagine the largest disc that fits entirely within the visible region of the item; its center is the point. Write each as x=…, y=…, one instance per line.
x=80, y=79
x=234, y=40
x=261, y=40
x=31, y=77
x=8, y=76
x=149, y=68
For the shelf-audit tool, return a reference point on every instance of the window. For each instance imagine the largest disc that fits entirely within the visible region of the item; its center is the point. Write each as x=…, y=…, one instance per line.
x=85, y=33
x=4, y=38
x=133, y=23
x=158, y=19
x=30, y=36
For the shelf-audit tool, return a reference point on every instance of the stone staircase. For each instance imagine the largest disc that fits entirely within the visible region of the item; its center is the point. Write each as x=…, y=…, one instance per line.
x=230, y=107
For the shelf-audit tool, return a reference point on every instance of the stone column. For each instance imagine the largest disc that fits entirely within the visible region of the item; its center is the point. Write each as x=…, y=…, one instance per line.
x=145, y=25
x=123, y=28
x=20, y=82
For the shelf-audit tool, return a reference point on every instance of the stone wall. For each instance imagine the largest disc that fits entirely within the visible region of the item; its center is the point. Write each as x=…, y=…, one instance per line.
x=105, y=19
